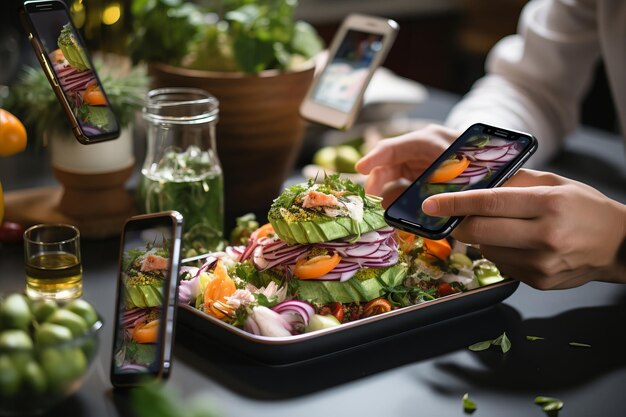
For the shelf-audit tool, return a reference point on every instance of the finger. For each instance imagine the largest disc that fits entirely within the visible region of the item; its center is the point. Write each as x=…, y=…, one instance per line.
x=539, y=269
x=530, y=178
x=380, y=176
x=516, y=202
x=401, y=149
x=500, y=231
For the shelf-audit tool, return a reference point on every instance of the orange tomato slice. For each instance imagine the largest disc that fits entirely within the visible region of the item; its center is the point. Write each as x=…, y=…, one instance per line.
x=316, y=267
x=93, y=96
x=376, y=306
x=449, y=170
x=266, y=229
x=216, y=291
x=12, y=134
x=439, y=248
x=146, y=332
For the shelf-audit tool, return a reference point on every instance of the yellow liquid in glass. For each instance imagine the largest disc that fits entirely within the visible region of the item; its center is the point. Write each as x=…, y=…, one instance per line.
x=55, y=275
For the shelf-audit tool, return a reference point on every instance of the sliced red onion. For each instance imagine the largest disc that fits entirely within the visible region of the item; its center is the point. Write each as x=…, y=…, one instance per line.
x=302, y=308
x=132, y=367
x=491, y=154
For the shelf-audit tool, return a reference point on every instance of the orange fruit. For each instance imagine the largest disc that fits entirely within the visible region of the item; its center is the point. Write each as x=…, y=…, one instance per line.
x=12, y=134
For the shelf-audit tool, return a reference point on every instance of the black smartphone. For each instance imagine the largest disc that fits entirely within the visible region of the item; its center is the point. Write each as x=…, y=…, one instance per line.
x=482, y=157
x=146, y=298
x=63, y=56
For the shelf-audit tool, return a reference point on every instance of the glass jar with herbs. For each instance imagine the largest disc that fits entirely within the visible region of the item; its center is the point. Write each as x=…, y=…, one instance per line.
x=182, y=171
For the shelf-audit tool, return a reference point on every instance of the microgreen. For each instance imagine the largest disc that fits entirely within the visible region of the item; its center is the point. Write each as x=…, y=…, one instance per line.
x=502, y=341
x=577, y=344
x=534, y=338
x=549, y=405
x=469, y=406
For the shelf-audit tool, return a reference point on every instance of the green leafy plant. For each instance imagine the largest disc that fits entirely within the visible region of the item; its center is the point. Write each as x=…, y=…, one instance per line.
x=229, y=35
x=34, y=101
x=469, y=406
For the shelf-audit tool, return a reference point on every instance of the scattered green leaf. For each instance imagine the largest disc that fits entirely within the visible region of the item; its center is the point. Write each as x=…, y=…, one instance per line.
x=469, y=406
x=549, y=405
x=502, y=341
x=534, y=338
x=577, y=344
x=477, y=347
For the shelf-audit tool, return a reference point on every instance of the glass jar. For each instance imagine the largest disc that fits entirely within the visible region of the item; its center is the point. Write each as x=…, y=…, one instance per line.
x=182, y=171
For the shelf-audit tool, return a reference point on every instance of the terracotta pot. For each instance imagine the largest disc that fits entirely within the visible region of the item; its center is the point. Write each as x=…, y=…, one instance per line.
x=259, y=133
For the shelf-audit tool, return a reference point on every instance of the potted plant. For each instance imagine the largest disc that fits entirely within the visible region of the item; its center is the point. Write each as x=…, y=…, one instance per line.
x=93, y=176
x=256, y=59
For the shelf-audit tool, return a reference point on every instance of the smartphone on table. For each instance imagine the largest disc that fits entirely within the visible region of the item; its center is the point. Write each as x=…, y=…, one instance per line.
x=358, y=48
x=482, y=157
x=63, y=56
x=146, y=298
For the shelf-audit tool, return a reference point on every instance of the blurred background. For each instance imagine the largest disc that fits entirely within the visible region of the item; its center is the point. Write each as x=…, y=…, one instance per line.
x=441, y=44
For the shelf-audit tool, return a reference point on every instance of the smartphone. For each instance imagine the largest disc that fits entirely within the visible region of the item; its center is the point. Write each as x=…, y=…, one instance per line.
x=358, y=48
x=63, y=56
x=482, y=157
x=146, y=299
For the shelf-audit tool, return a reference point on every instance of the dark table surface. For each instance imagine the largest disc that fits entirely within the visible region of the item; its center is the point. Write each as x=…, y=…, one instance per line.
x=423, y=372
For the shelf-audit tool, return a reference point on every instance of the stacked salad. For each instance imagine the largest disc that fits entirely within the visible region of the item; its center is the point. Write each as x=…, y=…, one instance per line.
x=326, y=257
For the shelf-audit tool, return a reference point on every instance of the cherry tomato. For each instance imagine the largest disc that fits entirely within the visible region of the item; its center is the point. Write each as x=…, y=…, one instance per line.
x=438, y=248
x=266, y=229
x=93, y=96
x=11, y=232
x=146, y=332
x=336, y=309
x=316, y=267
x=376, y=306
x=444, y=289
x=449, y=170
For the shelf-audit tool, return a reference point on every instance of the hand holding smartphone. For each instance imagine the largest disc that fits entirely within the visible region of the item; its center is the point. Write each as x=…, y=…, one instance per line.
x=63, y=56
x=482, y=157
x=146, y=299
x=358, y=48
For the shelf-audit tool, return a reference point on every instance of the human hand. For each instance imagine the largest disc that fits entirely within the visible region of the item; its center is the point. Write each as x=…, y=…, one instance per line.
x=543, y=229
x=403, y=157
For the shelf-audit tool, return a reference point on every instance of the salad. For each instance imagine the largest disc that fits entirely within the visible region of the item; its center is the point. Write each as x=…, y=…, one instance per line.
x=326, y=257
x=143, y=275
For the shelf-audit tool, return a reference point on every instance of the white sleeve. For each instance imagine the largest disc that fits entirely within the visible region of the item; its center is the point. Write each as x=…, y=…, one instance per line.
x=536, y=79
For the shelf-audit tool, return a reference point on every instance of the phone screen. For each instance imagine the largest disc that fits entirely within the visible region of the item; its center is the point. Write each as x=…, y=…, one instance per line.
x=73, y=69
x=480, y=158
x=340, y=83
x=143, y=289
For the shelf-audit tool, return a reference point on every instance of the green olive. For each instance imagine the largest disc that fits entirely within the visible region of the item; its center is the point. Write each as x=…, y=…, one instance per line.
x=42, y=309
x=83, y=309
x=72, y=321
x=9, y=378
x=15, y=313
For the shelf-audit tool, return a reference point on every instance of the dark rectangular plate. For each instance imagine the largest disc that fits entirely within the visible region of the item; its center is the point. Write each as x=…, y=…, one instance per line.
x=286, y=350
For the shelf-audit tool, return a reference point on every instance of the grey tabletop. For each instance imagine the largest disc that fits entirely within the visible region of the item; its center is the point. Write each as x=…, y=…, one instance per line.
x=423, y=372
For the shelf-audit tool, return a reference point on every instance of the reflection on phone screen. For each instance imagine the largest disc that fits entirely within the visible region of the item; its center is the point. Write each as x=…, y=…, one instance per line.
x=145, y=268
x=344, y=76
x=74, y=72
x=473, y=162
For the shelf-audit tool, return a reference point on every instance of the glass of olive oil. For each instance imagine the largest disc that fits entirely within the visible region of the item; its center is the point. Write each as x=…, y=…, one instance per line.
x=53, y=266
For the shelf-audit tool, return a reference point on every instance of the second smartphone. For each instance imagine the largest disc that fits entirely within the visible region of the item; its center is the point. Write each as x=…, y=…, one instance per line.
x=146, y=299
x=482, y=157
x=63, y=56
x=358, y=48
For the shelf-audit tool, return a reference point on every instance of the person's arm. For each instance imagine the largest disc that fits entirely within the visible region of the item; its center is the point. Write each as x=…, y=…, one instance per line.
x=536, y=79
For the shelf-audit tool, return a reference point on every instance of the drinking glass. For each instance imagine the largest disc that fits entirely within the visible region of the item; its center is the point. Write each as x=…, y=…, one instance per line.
x=53, y=265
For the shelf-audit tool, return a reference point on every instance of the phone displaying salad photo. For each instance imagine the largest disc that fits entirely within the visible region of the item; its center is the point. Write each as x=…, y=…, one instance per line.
x=359, y=47
x=482, y=157
x=63, y=56
x=145, y=303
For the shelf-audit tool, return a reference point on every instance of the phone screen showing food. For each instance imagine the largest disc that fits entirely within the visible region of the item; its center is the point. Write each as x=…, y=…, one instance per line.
x=144, y=279
x=343, y=78
x=74, y=71
x=478, y=159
